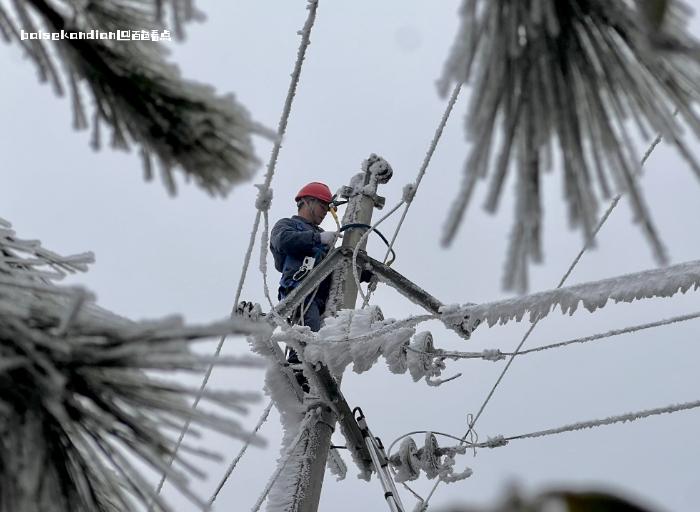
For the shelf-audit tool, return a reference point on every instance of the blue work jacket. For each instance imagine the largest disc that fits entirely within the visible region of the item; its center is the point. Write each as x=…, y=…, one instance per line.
x=291, y=240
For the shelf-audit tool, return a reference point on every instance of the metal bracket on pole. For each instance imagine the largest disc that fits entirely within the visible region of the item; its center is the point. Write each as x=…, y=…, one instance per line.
x=407, y=288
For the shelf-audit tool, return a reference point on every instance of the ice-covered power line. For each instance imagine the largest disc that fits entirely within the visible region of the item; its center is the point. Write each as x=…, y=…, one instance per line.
x=622, y=418
x=409, y=460
x=497, y=355
x=244, y=448
x=587, y=244
x=265, y=193
x=660, y=282
x=426, y=162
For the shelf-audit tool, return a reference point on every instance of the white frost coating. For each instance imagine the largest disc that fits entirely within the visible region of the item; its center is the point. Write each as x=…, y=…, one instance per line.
x=431, y=459
x=282, y=489
x=360, y=337
x=622, y=418
x=291, y=411
x=663, y=282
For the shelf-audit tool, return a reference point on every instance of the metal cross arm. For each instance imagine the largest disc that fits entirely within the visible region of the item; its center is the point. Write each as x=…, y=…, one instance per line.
x=407, y=288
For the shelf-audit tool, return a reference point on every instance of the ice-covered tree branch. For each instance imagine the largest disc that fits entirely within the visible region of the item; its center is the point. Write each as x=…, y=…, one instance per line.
x=577, y=76
x=141, y=97
x=85, y=392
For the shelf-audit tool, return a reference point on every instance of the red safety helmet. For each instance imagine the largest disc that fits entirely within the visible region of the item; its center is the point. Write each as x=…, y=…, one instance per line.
x=316, y=190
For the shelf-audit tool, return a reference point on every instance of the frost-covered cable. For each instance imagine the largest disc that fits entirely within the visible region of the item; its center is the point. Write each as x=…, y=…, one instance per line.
x=426, y=162
x=614, y=332
x=261, y=205
x=497, y=355
x=622, y=418
x=566, y=275
x=411, y=189
x=281, y=130
x=355, y=252
x=607, y=213
x=234, y=462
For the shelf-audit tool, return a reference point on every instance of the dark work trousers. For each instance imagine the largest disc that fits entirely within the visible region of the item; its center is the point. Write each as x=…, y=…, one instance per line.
x=312, y=319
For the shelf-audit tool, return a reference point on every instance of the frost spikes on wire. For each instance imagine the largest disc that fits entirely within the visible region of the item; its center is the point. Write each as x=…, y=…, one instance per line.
x=143, y=99
x=663, y=282
x=576, y=74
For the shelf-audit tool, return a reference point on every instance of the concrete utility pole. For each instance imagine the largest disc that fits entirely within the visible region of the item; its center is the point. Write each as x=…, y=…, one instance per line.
x=362, y=199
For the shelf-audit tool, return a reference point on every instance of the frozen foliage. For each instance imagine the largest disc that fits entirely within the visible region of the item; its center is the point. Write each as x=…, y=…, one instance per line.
x=662, y=282
x=570, y=75
x=78, y=407
x=361, y=336
x=431, y=459
x=136, y=93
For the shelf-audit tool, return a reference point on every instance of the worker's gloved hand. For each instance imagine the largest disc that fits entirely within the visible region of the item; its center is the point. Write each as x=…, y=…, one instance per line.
x=327, y=237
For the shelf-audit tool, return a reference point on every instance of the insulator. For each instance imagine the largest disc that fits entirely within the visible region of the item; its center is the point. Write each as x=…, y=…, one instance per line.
x=419, y=360
x=409, y=464
x=430, y=460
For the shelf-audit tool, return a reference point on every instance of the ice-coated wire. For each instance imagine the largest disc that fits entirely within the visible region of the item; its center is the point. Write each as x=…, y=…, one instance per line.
x=622, y=418
x=237, y=458
x=426, y=162
x=614, y=332
x=566, y=275
x=496, y=354
x=264, y=189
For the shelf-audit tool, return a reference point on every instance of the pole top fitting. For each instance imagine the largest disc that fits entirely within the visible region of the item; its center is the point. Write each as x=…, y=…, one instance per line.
x=378, y=168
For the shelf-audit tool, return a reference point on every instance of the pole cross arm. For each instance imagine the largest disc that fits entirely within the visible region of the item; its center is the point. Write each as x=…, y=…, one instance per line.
x=408, y=289
x=330, y=389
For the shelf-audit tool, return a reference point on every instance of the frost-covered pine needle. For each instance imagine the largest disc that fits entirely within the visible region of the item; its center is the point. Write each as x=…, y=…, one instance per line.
x=84, y=392
x=142, y=98
x=580, y=76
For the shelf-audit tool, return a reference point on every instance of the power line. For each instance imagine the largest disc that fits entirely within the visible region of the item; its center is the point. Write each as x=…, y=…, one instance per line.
x=614, y=332
x=411, y=189
x=500, y=441
x=496, y=354
x=234, y=462
x=262, y=204
x=622, y=418
x=426, y=161
x=585, y=247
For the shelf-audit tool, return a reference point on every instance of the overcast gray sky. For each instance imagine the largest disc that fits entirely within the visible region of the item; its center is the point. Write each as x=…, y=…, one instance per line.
x=368, y=86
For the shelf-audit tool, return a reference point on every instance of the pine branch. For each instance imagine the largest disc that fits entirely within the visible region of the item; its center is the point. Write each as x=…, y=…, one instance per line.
x=142, y=98
x=77, y=392
x=577, y=74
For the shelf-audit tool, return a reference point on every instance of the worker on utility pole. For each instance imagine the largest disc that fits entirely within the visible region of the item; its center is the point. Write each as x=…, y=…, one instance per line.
x=297, y=243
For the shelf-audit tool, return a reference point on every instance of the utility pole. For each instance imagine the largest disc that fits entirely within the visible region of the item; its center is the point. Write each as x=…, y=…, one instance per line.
x=362, y=199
